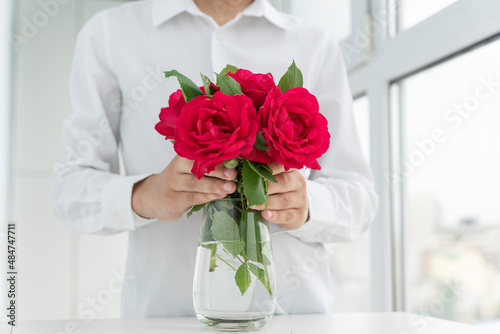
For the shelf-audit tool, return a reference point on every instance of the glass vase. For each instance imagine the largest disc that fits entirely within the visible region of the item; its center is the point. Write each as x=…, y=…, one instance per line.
x=234, y=284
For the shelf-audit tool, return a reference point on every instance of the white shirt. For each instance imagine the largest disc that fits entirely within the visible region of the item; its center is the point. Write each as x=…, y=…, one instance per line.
x=117, y=90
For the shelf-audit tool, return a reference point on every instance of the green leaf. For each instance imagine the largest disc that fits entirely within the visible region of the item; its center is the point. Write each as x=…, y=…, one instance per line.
x=195, y=208
x=206, y=84
x=266, y=190
x=245, y=216
x=223, y=205
x=263, y=276
x=243, y=279
x=207, y=245
x=257, y=238
x=189, y=89
x=228, y=85
x=260, y=143
x=291, y=79
x=263, y=170
x=224, y=227
x=234, y=247
x=255, y=253
x=227, y=69
x=233, y=163
x=254, y=185
x=264, y=234
x=250, y=234
x=254, y=269
x=267, y=253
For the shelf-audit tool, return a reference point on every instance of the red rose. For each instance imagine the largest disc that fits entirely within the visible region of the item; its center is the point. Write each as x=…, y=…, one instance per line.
x=254, y=85
x=294, y=129
x=212, y=130
x=169, y=115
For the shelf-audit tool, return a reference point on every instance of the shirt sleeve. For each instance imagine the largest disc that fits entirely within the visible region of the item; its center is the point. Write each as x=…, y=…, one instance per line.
x=342, y=199
x=88, y=194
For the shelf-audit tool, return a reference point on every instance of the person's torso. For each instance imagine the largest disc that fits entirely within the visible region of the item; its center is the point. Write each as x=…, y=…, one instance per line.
x=162, y=255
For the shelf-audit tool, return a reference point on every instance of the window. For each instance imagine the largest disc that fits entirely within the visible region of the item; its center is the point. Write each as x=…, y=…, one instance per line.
x=440, y=216
x=412, y=12
x=334, y=16
x=362, y=117
x=345, y=19
x=448, y=167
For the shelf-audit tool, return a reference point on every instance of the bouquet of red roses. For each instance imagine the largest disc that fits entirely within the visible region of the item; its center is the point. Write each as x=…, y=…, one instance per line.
x=245, y=121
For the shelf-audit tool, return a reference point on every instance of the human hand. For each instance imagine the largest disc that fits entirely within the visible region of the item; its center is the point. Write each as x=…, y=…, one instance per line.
x=168, y=195
x=288, y=205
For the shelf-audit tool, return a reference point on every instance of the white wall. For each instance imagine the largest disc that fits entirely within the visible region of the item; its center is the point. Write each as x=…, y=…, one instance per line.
x=59, y=272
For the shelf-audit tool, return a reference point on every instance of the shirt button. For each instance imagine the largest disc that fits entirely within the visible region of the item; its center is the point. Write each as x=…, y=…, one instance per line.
x=117, y=219
x=219, y=35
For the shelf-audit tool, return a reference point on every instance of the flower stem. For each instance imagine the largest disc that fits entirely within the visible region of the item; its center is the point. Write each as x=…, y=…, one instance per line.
x=225, y=251
x=240, y=183
x=213, y=257
x=226, y=262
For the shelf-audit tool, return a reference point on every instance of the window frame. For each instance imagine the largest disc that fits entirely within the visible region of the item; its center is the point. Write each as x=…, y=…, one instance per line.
x=358, y=47
x=6, y=90
x=6, y=84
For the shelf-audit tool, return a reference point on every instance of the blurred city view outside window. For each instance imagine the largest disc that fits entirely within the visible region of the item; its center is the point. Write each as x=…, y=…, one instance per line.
x=450, y=184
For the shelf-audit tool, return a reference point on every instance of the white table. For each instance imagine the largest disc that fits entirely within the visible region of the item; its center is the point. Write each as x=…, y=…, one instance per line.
x=348, y=323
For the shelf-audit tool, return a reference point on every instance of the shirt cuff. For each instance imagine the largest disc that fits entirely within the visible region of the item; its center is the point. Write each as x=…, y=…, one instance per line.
x=117, y=212
x=316, y=223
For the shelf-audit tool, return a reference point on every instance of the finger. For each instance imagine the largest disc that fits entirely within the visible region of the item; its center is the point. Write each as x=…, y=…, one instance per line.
x=183, y=165
x=279, y=168
x=285, y=201
x=206, y=185
x=276, y=168
x=289, y=219
x=224, y=173
x=287, y=182
x=189, y=199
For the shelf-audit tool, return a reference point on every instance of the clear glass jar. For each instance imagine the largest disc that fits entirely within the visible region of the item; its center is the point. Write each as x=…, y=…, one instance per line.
x=234, y=284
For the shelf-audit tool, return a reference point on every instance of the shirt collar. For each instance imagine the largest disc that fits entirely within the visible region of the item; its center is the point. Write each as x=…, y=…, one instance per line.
x=164, y=10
